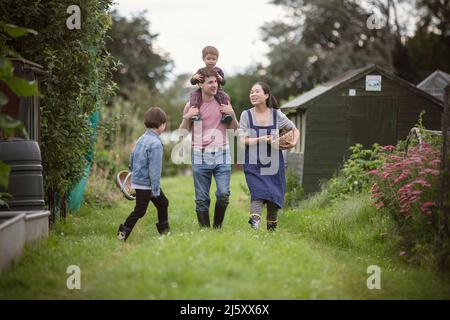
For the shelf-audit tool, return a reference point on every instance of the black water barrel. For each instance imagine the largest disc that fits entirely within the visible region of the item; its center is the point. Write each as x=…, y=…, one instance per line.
x=25, y=179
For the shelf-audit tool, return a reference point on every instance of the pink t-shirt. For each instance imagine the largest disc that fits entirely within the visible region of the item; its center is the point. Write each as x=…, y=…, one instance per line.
x=208, y=131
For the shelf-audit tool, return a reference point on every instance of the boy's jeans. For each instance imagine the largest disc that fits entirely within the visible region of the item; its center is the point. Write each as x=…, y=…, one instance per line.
x=205, y=165
x=143, y=197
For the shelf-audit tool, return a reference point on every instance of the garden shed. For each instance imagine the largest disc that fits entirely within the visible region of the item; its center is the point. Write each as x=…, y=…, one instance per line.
x=367, y=105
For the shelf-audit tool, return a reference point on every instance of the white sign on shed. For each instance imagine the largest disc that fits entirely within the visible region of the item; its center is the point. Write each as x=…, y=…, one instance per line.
x=373, y=83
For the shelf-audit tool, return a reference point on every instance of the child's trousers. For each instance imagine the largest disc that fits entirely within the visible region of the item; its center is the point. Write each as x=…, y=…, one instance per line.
x=256, y=207
x=143, y=197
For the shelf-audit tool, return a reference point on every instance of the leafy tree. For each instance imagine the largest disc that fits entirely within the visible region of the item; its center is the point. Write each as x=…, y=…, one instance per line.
x=238, y=87
x=140, y=75
x=320, y=40
x=77, y=83
x=132, y=43
x=429, y=48
x=174, y=98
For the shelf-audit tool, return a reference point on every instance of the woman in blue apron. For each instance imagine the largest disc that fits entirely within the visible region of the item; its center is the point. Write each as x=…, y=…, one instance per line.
x=264, y=164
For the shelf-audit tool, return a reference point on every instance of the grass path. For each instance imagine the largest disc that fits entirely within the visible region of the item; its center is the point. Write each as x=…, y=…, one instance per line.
x=232, y=263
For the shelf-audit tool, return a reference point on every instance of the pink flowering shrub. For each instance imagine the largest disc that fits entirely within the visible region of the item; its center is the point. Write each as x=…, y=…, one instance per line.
x=407, y=186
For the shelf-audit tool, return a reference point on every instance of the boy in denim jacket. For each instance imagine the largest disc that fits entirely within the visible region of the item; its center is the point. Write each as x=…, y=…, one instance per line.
x=145, y=167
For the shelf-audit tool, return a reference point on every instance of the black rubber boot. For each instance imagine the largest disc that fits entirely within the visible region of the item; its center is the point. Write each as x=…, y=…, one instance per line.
x=219, y=215
x=163, y=227
x=203, y=219
x=123, y=232
x=271, y=225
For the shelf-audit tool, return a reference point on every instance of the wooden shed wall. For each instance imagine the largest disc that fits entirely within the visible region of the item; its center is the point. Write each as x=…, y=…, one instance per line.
x=328, y=135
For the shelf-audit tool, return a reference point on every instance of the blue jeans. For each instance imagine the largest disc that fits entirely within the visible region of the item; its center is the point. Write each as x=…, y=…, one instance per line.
x=205, y=165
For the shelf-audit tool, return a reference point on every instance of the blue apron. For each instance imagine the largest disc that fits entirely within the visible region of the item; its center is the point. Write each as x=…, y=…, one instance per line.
x=262, y=186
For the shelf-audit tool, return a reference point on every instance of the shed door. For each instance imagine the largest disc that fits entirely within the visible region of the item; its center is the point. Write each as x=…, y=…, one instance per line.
x=372, y=119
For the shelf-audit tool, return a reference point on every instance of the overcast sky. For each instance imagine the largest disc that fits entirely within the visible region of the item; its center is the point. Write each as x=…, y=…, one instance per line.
x=186, y=26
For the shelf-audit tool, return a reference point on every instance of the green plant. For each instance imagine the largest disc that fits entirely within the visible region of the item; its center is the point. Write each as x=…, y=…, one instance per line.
x=294, y=191
x=77, y=83
x=101, y=191
x=352, y=177
x=421, y=134
x=19, y=86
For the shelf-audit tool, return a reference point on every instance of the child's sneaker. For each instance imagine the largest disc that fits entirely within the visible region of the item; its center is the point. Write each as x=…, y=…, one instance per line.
x=197, y=117
x=254, y=221
x=226, y=118
x=123, y=233
x=163, y=227
x=271, y=225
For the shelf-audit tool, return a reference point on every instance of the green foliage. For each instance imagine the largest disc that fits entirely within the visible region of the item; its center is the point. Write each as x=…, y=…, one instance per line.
x=4, y=174
x=19, y=86
x=77, y=83
x=294, y=191
x=121, y=125
x=101, y=191
x=349, y=224
x=14, y=31
x=431, y=138
x=353, y=177
x=430, y=40
x=131, y=42
x=238, y=87
x=319, y=40
x=140, y=74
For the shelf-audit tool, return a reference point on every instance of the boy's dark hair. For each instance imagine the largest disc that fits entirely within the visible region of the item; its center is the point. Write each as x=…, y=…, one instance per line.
x=210, y=50
x=154, y=117
x=207, y=72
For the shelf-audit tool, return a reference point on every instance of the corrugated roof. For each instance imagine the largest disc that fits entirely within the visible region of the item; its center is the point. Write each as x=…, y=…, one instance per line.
x=306, y=98
x=317, y=91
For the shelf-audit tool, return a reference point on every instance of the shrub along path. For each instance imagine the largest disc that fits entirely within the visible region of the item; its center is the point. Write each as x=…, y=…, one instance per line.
x=317, y=253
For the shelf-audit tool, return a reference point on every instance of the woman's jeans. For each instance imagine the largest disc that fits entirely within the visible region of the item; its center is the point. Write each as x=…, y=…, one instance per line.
x=205, y=165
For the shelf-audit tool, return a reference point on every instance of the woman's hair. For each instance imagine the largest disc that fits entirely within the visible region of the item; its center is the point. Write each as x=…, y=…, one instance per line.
x=270, y=101
x=154, y=117
x=210, y=50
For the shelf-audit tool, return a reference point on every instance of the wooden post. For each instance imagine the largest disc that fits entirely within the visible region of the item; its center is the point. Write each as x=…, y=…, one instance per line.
x=444, y=206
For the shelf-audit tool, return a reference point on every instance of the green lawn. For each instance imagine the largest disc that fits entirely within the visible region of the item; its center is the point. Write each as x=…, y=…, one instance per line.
x=315, y=254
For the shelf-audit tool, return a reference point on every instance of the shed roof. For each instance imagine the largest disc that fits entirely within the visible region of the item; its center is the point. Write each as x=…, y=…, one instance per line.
x=435, y=83
x=305, y=100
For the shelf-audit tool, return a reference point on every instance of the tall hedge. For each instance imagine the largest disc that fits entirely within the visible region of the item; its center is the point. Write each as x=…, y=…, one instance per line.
x=78, y=80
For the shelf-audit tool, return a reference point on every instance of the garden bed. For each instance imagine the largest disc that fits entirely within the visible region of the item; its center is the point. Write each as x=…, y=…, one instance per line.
x=18, y=228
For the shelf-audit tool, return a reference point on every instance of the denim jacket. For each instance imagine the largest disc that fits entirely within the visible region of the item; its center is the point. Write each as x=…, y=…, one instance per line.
x=146, y=161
